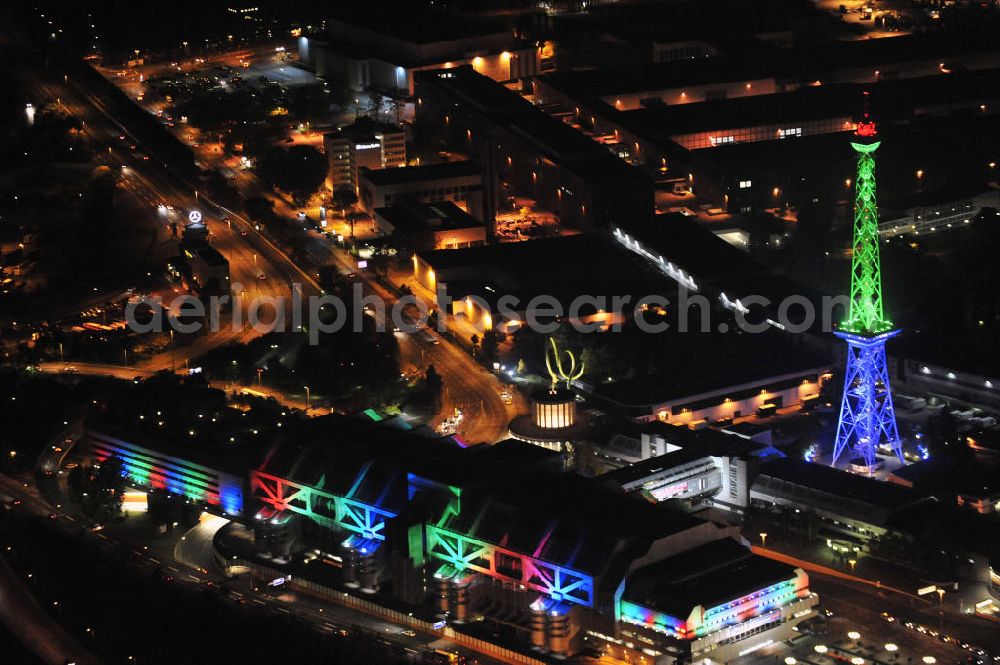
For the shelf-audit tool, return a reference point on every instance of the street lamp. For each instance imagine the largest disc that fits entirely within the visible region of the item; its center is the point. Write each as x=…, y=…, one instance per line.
x=940, y=593
x=854, y=635
x=790, y=660
x=857, y=660
x=308, y=400
x=763, y=539
x=820, y=648
x=930, y=660
x=852, y=563
x=891, y=648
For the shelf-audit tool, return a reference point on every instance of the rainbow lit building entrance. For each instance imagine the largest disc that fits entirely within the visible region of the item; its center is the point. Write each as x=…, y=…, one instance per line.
x=867, y=419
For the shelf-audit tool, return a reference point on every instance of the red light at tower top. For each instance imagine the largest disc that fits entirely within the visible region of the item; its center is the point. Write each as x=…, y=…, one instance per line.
x=866, y=128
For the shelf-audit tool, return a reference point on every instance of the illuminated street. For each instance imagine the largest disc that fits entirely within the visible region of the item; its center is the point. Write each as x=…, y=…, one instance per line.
x=631, y=332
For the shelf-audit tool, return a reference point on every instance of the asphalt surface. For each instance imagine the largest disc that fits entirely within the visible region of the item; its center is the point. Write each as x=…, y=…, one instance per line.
x=22, y=614
x=468, y=386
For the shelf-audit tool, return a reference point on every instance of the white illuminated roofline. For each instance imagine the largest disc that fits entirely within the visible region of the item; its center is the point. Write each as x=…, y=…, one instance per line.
x=665, y=266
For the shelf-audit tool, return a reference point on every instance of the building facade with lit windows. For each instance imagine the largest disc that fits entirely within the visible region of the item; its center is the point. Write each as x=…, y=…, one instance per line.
x=851, y=508
x=534, y=154
x=366, y=144
x=657, y=116
x=458, y=182
x=723, y=395
x=694, y=468
x=383, y=50
x=442, y=225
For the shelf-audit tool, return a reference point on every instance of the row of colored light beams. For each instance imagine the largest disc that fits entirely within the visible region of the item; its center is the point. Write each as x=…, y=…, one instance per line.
x=755, y=604
x=177, y=476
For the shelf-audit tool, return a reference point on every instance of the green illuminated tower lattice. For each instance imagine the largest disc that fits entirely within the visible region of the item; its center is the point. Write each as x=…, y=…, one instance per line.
x=867, y=418
x=866, y=313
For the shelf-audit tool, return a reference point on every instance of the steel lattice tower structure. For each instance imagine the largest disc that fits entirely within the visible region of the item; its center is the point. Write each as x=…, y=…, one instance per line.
x=867, y=418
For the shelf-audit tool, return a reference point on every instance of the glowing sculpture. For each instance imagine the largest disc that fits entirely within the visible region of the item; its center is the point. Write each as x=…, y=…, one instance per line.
x=559, y=374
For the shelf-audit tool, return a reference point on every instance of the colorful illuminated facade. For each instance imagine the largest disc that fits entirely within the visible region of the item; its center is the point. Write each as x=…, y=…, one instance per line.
x=496, y=530
x=153, y=470
x=715, y=602
x=867, y=419
x=278, y=495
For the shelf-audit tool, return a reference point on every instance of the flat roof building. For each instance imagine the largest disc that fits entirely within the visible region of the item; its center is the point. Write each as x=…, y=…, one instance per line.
x=381, y=45
x=535, y=154
x=695, y=469
x=850, y=506
x=433, y=225
x=365, y=144
x=458, y=182
x=716, y=602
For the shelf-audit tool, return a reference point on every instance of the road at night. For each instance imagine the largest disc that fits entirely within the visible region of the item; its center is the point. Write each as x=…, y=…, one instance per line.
x=468, y=386
x=21, y=612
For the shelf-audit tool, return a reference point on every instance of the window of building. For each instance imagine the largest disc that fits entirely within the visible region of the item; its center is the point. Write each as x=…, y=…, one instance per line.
x=746, y=184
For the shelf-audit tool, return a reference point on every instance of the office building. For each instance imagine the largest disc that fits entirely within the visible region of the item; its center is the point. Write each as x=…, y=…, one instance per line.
x=364, y=47
x=536, y=155
x=459, y=182
x=366, y=144
x=441, y=225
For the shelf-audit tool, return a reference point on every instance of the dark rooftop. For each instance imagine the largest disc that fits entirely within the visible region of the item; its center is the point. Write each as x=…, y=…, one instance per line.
x=830, y=489
x=694, y=444
x=707, y=363
x=890, y=100
x=370, y=460
x=412, y=22
x=665, y=22
x=209, y=255
x=410, y=174
x=566, y=519
x=563, y=144
x=710, y=575
x=363, y=130
x=546, y=265
x=715, y=264
x=407, y=213
x=801, y=64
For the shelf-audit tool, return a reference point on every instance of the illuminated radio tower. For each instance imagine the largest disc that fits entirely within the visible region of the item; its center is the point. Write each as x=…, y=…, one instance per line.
x=867, y=419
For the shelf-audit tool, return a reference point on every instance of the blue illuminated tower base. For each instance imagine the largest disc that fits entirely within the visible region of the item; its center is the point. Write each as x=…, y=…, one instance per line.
x=867, y=419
